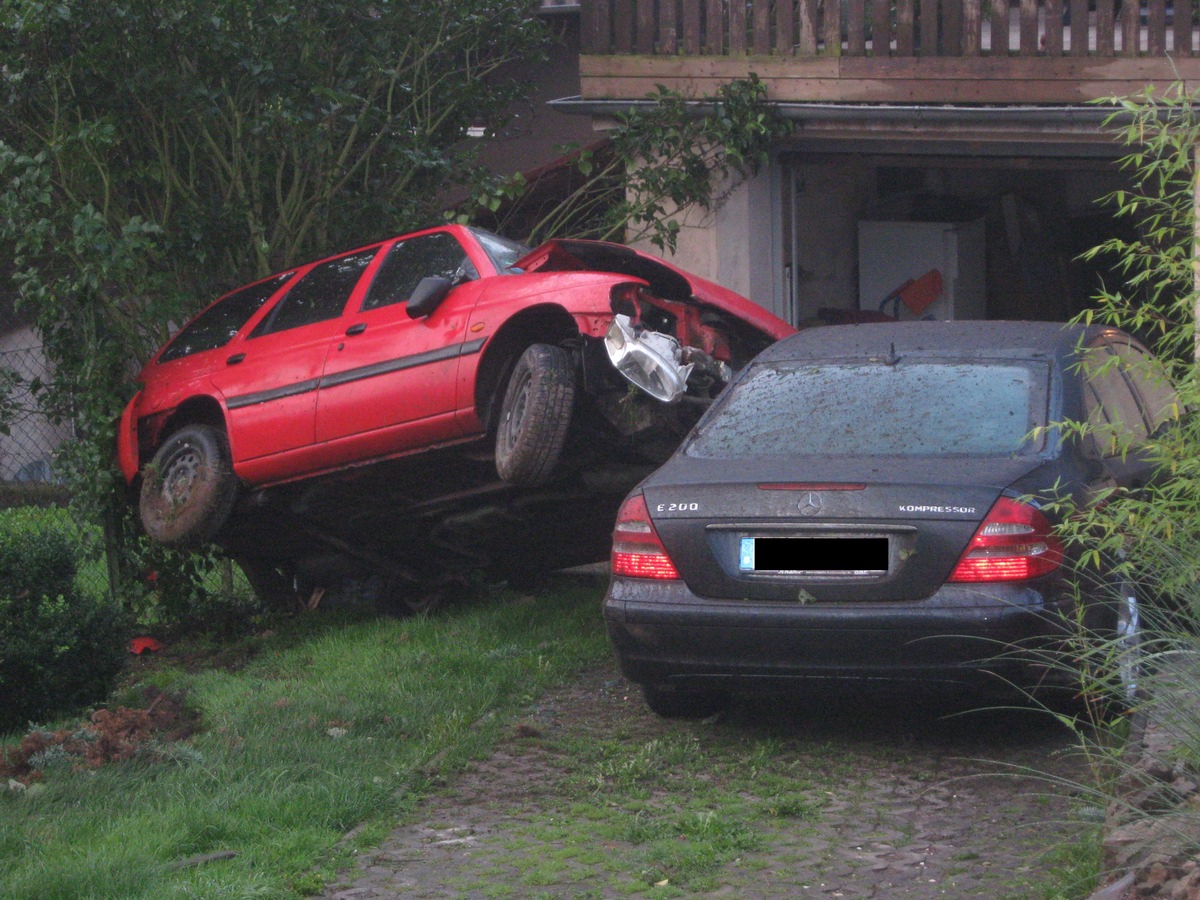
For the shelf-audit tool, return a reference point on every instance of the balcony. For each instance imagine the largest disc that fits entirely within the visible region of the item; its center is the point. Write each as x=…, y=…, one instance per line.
x=971, y=52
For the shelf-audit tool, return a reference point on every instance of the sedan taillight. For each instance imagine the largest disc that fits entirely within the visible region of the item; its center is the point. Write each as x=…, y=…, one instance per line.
x=1014, y=542
x=637, y=550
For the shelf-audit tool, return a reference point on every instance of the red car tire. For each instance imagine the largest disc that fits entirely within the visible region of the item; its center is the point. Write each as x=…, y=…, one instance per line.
x=189, y=487
x=535, y=415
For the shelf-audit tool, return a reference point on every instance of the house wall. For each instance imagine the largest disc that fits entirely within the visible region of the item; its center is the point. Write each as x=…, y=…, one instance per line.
x=733, y=244
x=27, y=451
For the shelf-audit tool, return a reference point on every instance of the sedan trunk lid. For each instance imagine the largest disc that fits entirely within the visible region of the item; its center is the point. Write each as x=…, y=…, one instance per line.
x=840, y=531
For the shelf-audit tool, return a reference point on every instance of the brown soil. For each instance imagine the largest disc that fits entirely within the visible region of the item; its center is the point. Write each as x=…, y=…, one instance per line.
x=914, y=801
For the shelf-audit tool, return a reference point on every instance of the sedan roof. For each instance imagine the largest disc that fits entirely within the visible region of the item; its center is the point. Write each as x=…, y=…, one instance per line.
x=895, y=340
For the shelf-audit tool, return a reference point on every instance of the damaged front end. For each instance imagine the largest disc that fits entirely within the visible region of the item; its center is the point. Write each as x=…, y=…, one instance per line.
x=674, y=339
x=658, y=363
x=658, y=367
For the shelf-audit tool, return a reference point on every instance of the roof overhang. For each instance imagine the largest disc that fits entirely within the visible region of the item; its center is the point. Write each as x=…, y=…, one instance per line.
x=984, y=130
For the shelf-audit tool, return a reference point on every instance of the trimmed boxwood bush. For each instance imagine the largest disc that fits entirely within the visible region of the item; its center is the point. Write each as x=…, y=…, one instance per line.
x=59, y=649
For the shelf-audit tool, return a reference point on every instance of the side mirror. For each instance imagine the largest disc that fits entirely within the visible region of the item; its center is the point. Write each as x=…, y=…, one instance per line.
x=428, y=295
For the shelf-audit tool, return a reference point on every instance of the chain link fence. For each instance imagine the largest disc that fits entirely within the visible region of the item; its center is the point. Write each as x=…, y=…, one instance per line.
x=29, y=442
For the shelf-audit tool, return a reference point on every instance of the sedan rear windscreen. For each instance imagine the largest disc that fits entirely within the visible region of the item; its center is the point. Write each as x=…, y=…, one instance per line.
x=920, y=408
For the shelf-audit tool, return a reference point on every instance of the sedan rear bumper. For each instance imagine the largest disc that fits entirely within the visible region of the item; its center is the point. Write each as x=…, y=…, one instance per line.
x=665, y=635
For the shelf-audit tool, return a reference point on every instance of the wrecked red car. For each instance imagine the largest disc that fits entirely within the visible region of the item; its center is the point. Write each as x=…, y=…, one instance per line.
x=478, y=368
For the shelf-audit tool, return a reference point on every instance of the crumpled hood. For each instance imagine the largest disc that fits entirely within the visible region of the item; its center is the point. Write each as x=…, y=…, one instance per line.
x=665, y=280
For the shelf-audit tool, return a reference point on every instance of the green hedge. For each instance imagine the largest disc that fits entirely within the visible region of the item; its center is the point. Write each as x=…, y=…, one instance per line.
x=59, y=649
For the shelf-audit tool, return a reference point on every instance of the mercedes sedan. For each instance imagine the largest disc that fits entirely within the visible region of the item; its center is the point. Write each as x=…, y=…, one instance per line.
x=866, y=503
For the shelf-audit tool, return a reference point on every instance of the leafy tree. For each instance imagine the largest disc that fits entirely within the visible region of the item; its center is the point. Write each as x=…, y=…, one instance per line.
x=153, y=154
x=663, y=159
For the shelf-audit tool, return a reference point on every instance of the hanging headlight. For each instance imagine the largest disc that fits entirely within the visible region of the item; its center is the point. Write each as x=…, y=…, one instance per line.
x=650, y=360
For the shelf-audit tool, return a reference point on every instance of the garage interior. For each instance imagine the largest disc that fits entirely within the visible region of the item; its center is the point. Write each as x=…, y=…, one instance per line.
x=930, y=235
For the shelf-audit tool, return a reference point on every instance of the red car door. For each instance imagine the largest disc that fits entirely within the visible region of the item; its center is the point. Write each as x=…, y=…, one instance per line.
x=389, y=379
x=270, y=377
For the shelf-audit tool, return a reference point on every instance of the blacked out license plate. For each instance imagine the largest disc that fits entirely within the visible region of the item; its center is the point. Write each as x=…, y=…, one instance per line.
x=815, y=555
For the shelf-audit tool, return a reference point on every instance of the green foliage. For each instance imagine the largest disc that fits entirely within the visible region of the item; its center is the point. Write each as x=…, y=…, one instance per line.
x=1149, y=538
x=662, y=160
x=59, y=649
x=1153, y=534
x=37, y=554
x=151, y=156
x=335, y=723
x=1156, y=298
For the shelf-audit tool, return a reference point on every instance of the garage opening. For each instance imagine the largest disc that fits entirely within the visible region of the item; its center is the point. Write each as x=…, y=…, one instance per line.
x=942, y=237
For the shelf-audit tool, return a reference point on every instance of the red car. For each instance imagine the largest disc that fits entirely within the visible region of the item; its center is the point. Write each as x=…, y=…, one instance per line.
x=446, y=338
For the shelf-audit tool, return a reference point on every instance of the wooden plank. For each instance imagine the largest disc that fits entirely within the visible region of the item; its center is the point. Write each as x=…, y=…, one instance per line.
x=645, y=26
x=1183, y=28
x=796, y=89
x=905, y=27
x=1105, y=27
x=927, y=43
x=1183, y=12
x=1013, y=69
x=972, y=38
x=856, y=28
x=1000, y=33
x=714, y=27
x=1156, y=27
x=831, y=13
x=761, y=23
x=1130, y=29
x=593, y=26
x=1054, y=27
x=953, y=27
x=882, y=80
x=737, y=28
x=623, y=23
x=668, y=28
x=881, y=28
x=691, y=26
x=785, y=27
x=1079, y=27
x=806, y=39
x=1029, y=27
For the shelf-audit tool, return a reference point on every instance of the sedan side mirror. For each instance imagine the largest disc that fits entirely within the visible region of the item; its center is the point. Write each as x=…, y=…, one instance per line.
x=428, y=295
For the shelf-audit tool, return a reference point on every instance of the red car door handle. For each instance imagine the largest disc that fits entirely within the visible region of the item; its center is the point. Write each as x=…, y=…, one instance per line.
x=357, y=328
x=235, y=359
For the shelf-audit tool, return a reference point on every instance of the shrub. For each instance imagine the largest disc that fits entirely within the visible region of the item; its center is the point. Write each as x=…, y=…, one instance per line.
x=59, y=649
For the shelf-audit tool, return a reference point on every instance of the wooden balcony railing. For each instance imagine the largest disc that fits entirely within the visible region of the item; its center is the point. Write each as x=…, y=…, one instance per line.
x=997, y=52
x=891, y=28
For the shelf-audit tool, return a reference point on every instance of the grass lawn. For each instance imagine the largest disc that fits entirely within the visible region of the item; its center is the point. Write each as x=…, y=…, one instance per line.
x=336, y=726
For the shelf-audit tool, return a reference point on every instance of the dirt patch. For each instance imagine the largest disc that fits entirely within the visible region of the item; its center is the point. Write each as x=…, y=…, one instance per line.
x=108, y=736
x=590, y=795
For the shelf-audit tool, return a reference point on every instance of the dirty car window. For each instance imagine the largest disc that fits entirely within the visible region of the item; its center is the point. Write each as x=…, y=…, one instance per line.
x=874, y=409
x=502, y=252
x=217, y=325
x=410, y=261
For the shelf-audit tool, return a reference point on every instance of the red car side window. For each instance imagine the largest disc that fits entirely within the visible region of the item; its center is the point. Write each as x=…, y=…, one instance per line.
x=217, y=325
x=416, y=258
x=318, y=296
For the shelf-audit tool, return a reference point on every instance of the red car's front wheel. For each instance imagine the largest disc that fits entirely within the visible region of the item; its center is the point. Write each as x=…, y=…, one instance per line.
x=535, y=415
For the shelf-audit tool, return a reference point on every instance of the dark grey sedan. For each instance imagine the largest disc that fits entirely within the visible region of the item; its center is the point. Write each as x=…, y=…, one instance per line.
x=858, y=505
